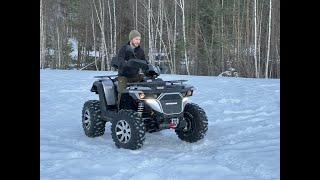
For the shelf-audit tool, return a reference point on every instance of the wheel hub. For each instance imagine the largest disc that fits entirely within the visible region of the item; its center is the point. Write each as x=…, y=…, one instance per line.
x=123, y=131
x=87, y=120
x=187, y=118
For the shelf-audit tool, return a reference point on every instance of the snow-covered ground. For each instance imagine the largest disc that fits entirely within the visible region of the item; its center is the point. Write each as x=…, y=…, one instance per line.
x=242, y=142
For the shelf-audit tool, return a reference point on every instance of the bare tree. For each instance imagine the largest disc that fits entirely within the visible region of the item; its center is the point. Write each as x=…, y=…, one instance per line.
x=161, y=9
x=115, y=28
x=255, y=39
x=150, y=32
x=100, y=17
x=136, y=16
x=269, y=39
x=94, y=40
x=182, y=6
x=175, y=37
x=59, y=49
x=259, y=22
x=222, y=38
x=42, y=36
x=111, y=30
x=169, y=35
x=238, y=33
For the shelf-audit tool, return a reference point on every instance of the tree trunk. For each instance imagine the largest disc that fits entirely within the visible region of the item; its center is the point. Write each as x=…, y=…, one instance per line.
x=181, y=4
x=136, y=21
x=111, y=29
x=238, y=34
x=269, y=39
x=248, y=33
x=103, y=39
x=234, y=32
x=150, y=33
x=94, y=41
x=42, y=36
x=255, y=39
x=85, y=45
x=59, y=50
x=115, y=29
x=259, y=38
x=222, y=38
x=175, y=37
x=161, y=24
x=171, y=65
x=196, y=45
x=157, y=26
x=79, y=55
x=184, y=37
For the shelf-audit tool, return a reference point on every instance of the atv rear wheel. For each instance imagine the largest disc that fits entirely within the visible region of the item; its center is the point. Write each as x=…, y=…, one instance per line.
x=197, y=124
x=92, y=123
x=128, y=130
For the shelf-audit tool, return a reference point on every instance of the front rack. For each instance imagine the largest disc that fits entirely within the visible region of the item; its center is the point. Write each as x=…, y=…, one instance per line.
x=173, y=82
x=109, y=76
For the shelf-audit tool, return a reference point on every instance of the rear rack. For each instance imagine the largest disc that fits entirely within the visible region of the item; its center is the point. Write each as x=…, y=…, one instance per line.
x=109, y=77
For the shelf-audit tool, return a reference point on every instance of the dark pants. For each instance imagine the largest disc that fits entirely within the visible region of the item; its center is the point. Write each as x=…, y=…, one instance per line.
x=122, y=84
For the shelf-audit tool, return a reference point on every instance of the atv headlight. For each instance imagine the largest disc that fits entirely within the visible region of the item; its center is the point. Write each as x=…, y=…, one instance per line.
x=188, y=93
x=151, y=96
x=154, y=104
x=142, y=95
x=147, y=95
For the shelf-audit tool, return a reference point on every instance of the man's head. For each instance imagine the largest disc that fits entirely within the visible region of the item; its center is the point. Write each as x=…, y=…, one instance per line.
x=134, y=38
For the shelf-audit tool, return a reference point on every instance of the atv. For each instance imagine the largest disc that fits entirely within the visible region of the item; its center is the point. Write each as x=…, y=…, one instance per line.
x=147, y=106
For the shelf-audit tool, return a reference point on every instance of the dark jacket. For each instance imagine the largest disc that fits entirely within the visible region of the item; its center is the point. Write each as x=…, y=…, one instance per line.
x=126, y=53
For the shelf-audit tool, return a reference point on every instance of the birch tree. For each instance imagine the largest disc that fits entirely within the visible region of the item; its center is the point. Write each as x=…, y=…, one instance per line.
x=115, y=28
x=255, y=39
x=175, y=37
x=59, y=49
x=259, y=23
x=111, y=29
x=101, y=22
x=169, y=35
x=222, y=38
x=42, y=36
x=136, y=16
x=181, y=5
x=150, y=32
x=269, y=39
x=94, y=40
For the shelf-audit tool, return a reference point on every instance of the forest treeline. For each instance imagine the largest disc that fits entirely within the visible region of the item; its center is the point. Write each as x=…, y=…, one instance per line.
x=195, y=37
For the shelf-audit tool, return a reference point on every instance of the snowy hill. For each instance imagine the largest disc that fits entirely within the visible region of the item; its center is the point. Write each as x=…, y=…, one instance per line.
x=242, y=142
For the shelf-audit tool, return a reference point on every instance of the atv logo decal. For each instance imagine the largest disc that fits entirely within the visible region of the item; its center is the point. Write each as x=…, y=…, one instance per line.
x=172, y=103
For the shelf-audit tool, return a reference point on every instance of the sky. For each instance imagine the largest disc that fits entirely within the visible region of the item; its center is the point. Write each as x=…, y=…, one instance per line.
x=242, y=141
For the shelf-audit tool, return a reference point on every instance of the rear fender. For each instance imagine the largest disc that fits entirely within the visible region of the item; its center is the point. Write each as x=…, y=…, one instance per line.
x=97, y=87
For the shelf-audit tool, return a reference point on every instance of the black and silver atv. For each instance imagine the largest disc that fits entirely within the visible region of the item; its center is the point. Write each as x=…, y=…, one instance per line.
x=148, y=106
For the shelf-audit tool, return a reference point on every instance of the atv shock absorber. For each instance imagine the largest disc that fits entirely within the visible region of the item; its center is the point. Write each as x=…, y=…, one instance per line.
x=140, y=108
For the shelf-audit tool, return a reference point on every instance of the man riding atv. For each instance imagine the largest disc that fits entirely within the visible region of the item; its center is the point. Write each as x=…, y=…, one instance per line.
x=145, y=102
x=126, y=73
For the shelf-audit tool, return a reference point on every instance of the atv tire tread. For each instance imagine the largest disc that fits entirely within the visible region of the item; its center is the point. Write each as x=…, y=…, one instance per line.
x=97, y=127
x=137, y=129
x=199, y=127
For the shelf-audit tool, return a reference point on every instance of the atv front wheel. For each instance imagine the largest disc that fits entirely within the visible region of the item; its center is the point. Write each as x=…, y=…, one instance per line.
x=128, y=130
x=197, y=124
x=92, y=123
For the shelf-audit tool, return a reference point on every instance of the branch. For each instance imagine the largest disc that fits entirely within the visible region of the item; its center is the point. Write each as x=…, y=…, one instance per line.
x=87, y=66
